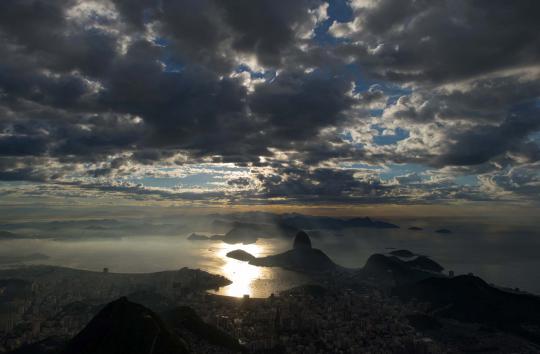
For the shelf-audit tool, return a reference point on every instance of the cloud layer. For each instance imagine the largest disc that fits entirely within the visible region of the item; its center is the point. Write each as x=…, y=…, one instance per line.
x=365, y=101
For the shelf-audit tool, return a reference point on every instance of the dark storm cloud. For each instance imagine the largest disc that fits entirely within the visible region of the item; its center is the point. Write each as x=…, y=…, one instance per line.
x=23, y=174
x=99, y=136
x=213, y=32
x=320, y=184
x=473, y=70
x=21, y=169
x=139, y=192
x=40, y=29
x=295, y=106
x=23, y=145
x=484, y=100
x=150, y=156
x=180, y=109
x=480, y=144
x=91, y=101
x=267, y=28
x=441, y=40
x=473, y=123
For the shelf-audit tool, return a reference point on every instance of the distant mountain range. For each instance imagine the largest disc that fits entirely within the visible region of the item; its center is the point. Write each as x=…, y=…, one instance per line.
x=7, y=235
x=305, y=222
x=309, y=222
x=248, y=227
x=32, y=257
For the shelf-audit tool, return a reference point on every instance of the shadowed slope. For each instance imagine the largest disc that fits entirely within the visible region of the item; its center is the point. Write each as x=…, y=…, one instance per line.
x=470, y=299
x=184, y=319
x=124, y=327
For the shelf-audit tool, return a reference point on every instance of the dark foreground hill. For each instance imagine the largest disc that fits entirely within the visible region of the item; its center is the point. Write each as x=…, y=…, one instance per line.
x=185, y=322
x=124, y=327
x=51, y=345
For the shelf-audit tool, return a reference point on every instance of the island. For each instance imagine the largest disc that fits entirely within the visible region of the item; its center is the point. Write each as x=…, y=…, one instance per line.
x=241, y=255
x=198, y=237
x=443, y=231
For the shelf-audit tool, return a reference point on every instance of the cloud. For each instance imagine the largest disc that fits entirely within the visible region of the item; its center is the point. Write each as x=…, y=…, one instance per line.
x=478, y=145
x=440, y=41
x=322, y=184
x=216, y=33
x=295, y=106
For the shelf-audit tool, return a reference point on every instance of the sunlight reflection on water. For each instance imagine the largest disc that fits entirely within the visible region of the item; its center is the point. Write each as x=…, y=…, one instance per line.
x=248, y=279
x=242, y=273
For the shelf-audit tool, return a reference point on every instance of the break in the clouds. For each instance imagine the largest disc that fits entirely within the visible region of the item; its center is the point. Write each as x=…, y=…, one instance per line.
x=361, y=101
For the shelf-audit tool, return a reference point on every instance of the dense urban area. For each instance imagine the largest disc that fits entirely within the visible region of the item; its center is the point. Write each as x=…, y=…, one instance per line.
x=49, y=305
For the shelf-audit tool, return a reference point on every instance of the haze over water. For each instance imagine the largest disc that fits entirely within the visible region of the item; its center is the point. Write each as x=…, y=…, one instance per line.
x=505, y=256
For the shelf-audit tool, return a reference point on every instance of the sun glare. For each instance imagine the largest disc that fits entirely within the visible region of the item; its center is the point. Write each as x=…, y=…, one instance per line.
x=243, y=273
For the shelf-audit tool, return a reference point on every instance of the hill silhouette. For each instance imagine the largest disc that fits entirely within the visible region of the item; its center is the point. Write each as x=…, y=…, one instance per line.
x=298, y=259
x=302, y=240
x=470, y=299
x=184, y=319
x=309, y=222
x=301, y=258
x=124, y=327
x=50, y=345
x=394, y=271
x=402, y=253
x=248, y=227
x=425, y=263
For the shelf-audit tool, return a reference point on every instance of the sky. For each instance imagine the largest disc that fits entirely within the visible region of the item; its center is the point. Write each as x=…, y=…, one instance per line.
x=382, y=104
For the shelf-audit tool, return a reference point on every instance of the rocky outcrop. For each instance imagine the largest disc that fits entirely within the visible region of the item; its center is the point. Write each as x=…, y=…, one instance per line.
x=301, y=240
x=302, y=258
